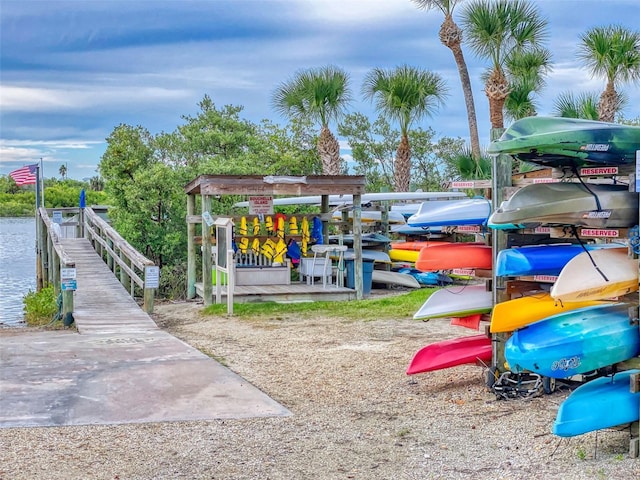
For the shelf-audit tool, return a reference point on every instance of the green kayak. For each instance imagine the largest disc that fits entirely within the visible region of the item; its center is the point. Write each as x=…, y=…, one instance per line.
x=557, y=141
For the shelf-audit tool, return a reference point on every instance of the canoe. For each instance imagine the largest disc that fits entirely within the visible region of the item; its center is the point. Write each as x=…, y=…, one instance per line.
x=450, y=353
x=540, y=259
x=556, y=141
x=474, y=211
x=580, y=280
x=604, y=402
x=599, y=206
x=513, y=314
x=394, y=278
x=455, y=255
x=458, y=301
x=574, y=342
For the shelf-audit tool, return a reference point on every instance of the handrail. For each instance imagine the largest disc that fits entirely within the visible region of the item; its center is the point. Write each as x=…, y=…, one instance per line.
x=52, y=260
x=120, y=255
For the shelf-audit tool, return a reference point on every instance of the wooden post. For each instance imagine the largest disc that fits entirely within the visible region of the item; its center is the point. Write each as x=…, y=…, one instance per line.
x=191, y=248
x=67, y=299
x=148, y=300
x=125, y=279
x=42, y=254
x=207, y=263
x=54, y=268
x=324, y=209
x=501, y=178
x=357, y=247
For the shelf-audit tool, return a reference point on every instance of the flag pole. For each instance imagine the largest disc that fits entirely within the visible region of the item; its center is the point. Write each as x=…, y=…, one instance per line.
x=41, y=181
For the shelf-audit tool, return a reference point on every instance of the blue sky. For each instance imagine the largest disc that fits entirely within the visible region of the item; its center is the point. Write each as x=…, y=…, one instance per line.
x=71, y=71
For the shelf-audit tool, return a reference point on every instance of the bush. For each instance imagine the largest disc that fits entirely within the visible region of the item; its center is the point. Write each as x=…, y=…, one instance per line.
x=40, y=307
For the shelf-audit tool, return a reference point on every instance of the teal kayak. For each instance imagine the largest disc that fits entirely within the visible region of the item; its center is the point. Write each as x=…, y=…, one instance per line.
x=601, y=403
x=574, y=342
x=558, y=141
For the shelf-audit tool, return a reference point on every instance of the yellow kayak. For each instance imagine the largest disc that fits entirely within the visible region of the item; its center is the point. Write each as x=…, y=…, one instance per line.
x=513, y=314
x=403, y=255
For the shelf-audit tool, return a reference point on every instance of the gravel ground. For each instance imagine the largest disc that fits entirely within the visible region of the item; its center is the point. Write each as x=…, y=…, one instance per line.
x=356, y=415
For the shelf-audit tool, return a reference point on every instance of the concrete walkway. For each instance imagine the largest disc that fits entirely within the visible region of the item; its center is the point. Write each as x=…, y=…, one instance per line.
x=54, y=378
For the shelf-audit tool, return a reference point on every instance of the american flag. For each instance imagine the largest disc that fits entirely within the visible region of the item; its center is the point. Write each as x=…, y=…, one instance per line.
x=25, y=175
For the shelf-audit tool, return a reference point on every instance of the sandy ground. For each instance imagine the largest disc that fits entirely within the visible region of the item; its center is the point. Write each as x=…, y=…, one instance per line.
x=355, y=415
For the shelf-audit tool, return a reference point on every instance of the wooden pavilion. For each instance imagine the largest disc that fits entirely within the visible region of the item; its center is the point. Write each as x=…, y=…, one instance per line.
x=212, y=187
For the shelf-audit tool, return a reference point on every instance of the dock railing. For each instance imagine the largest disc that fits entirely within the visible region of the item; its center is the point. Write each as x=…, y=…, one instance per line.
x=54, y=266
x=130, y=266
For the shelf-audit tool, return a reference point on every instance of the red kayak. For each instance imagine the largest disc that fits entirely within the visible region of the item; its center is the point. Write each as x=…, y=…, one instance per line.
x=450, y=353
x=454, y=255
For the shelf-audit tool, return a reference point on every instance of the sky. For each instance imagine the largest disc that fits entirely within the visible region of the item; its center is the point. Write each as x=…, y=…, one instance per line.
x=71, y=71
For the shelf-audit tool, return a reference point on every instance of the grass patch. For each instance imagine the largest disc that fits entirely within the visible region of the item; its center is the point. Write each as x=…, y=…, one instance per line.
x=392, y=307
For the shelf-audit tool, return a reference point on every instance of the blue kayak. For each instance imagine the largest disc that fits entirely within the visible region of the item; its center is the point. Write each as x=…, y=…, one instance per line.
x=428, y=278
x=601, y=403
x=473, y=211
x=574, y=342
x=539, y=259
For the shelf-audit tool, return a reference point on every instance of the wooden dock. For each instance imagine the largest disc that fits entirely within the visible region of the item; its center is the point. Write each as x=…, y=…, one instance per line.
x=101, y=303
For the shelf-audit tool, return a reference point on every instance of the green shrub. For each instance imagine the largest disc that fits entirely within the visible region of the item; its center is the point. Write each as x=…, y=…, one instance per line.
x=40, y=307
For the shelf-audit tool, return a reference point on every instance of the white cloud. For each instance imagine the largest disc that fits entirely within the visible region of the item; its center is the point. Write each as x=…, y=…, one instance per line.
x=62, y=98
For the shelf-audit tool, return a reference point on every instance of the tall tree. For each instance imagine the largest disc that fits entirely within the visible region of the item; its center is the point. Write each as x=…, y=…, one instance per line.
x=63, y=171
x=451, y=36
x=612, y=52
x=495, y=29
x=320, y=95
x=404, y=95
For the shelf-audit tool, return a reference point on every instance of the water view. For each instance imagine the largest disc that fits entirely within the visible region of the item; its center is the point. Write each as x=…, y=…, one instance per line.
x=17, y=266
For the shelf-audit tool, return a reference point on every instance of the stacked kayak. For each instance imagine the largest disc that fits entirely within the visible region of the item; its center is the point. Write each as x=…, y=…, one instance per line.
x=595, y=206
x=596, y=275
x=601, y=403
x=455, y=255
x=450, y=353
x=574, y=342
x=458, y=301
x=520, y=312
x=558, y=141
x=474, y=211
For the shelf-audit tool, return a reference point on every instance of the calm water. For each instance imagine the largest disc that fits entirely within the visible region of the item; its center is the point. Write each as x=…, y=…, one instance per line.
x=17, y=266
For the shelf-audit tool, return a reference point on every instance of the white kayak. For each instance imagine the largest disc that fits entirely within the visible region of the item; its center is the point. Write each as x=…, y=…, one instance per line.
x=597, y=275
x=458, y=301
x=474, y=211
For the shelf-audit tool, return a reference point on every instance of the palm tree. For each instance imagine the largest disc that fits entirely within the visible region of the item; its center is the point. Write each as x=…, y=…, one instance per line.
x=495, y=29
x=525, y=71
x=584, y=105
x=612, y=52
x=451, y=37
x=320, y=95
x=405, y=95
x=63, y=171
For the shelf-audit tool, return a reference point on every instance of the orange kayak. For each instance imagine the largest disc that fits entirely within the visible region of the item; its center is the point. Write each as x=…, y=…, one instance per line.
x=416, y=245
x=454, y=255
